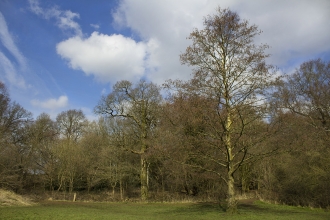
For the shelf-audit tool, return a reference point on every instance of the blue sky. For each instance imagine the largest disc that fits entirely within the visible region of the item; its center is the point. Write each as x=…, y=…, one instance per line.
x=57, y=55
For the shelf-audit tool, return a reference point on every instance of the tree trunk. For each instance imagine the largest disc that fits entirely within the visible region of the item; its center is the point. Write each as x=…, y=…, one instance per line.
x=144, y=179
x=144, y=163
x=61, y=182
x=113, y=191
x=231, y=201
x=121, y=189
x=71, y=180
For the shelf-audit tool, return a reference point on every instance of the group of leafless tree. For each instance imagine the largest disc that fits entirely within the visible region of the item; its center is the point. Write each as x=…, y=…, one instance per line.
x=235, y=127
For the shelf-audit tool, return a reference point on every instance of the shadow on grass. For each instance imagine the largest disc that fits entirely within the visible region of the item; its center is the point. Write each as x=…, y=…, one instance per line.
x=198, y=208
x=250, y=209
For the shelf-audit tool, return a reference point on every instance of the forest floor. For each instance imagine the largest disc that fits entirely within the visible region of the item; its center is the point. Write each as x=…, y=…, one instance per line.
x=247, y=209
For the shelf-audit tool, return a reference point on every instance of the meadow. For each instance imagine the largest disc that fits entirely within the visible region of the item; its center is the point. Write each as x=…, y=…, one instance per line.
x=93, y=210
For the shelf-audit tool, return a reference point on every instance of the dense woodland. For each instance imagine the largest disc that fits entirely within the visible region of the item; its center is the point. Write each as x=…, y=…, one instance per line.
x=236, y=127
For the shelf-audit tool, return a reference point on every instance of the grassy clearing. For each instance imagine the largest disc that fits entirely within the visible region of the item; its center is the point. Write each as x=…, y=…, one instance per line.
x=84, y=210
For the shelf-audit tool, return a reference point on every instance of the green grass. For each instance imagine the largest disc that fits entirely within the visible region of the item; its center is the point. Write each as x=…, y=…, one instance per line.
x=168, y=211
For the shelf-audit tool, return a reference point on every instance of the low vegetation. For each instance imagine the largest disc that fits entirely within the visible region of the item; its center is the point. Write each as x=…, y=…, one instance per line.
x=8, y=198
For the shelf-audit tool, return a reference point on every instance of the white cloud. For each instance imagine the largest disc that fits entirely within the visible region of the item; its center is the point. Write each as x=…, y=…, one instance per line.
x=165, y=24
x=35, y=8
x=95, y=26
x=9, y=44
x=6, y=65
x=64, y=19
x=108, y=58
x=10, y=72
x=52, y=104
x=294, y=29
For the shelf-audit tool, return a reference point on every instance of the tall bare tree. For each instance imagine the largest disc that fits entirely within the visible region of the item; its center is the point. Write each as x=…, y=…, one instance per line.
x=230, y=72
x=138, y=105
x=71, y=125
x=42, y=137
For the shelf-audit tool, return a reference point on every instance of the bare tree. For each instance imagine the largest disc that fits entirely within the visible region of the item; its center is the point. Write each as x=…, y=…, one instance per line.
x=71, y=124
x=138, y=105
x=43, y=137
x=307, y=93
x=231, y=74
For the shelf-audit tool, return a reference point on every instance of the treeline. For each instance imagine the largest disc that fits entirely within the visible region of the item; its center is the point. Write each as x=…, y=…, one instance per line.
x=234, y=128
x=74, y=154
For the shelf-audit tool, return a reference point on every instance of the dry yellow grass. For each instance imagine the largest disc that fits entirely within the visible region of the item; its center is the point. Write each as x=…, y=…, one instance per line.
x=8, y=198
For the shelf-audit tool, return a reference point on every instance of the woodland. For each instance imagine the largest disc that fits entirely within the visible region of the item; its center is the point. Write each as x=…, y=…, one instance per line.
x=237, y=127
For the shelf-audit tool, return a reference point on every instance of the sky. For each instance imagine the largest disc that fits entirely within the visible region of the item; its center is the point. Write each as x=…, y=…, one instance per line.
x=57, y=55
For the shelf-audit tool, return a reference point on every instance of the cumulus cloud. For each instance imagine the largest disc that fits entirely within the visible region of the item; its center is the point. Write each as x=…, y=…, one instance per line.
x=294, y=29
x=64, y=19
x=107, y=57
x=52, y=104
x=165, y=24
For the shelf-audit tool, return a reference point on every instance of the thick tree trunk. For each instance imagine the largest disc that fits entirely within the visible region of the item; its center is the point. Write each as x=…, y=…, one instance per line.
x=231, y=201
x=144, y=179
x=144, y=163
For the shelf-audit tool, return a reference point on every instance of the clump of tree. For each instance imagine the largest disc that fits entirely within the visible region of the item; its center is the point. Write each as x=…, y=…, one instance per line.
x=303, y=106
x=15, y=152
x=138, y=106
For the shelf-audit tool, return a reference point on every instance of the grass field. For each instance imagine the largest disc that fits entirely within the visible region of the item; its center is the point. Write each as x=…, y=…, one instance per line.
x=168, y=211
